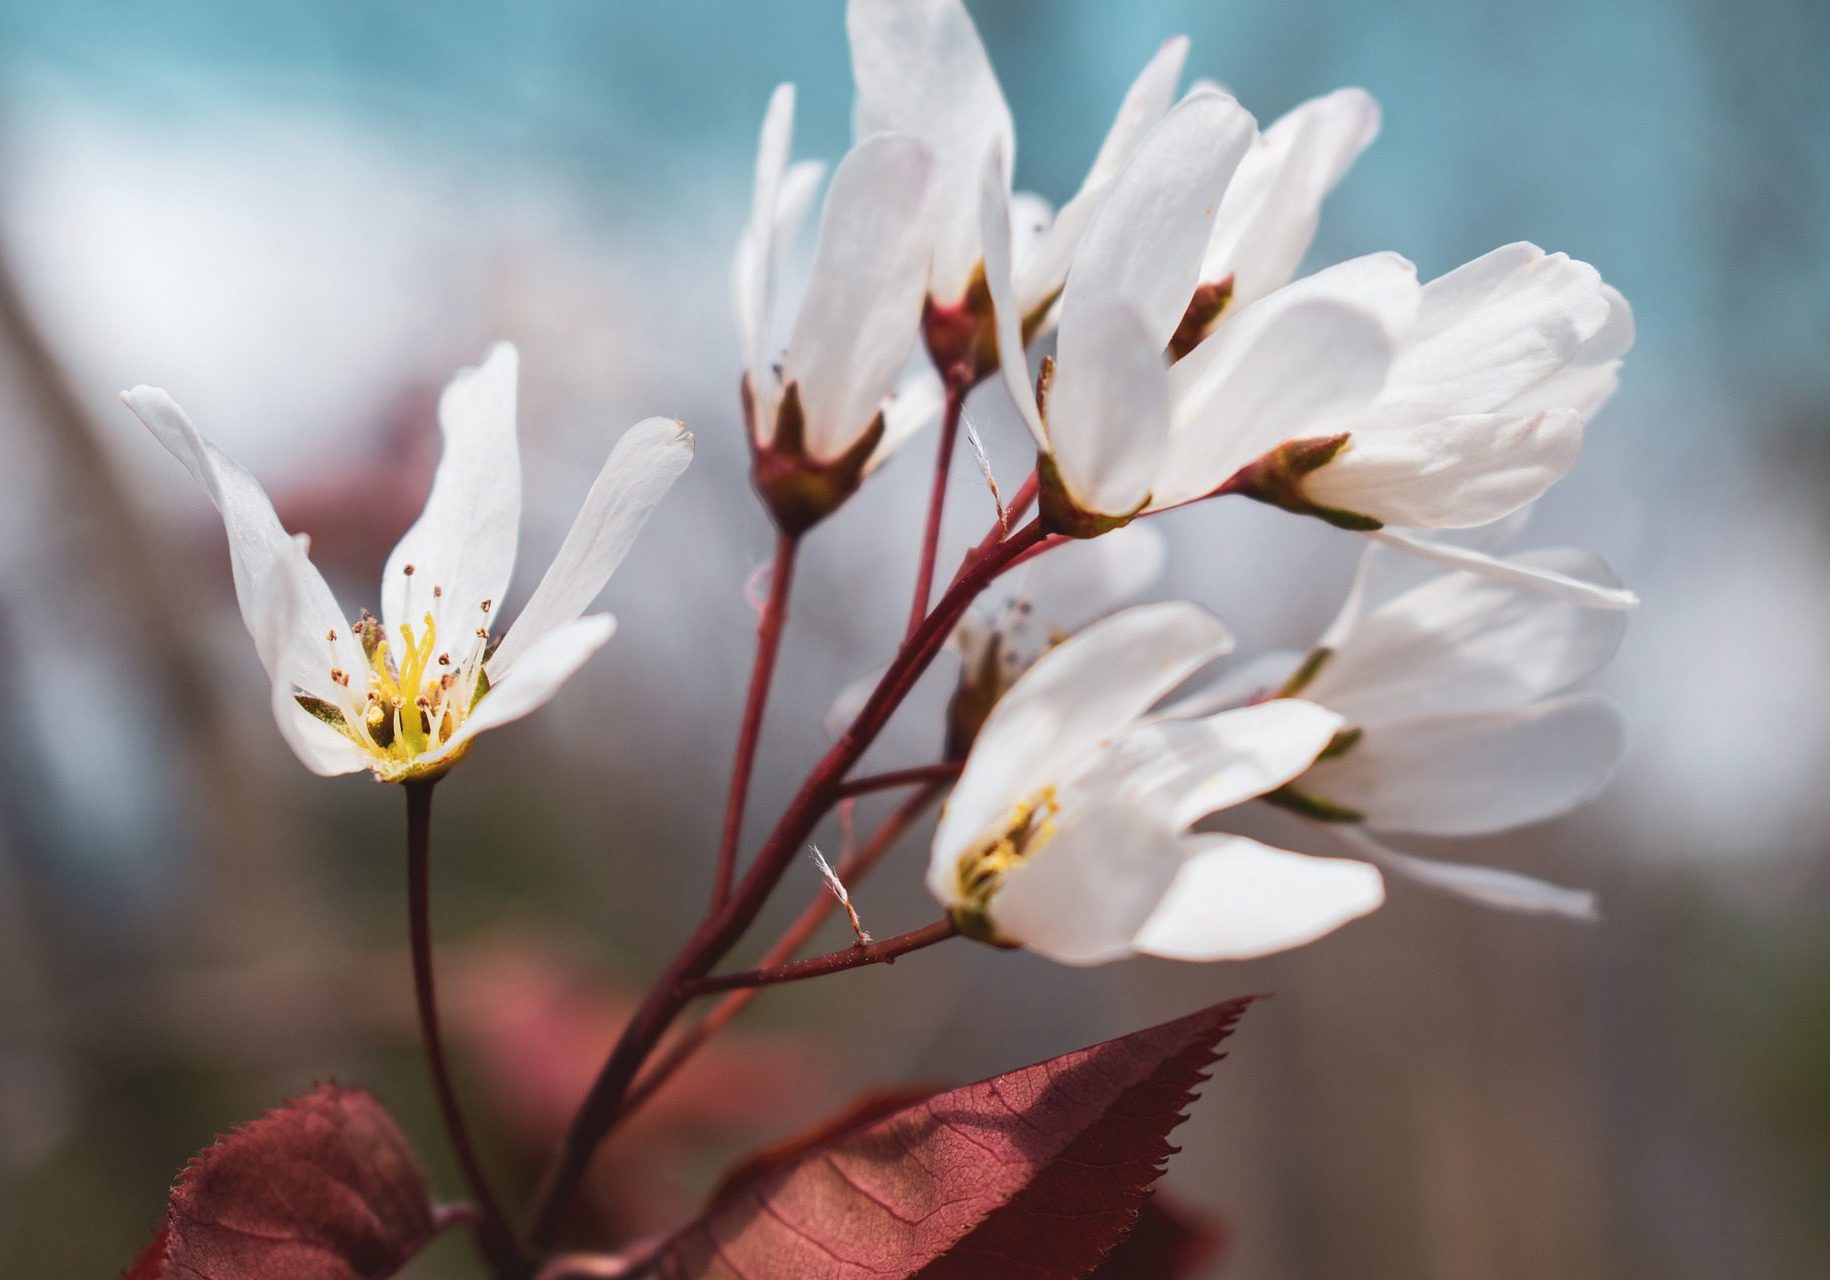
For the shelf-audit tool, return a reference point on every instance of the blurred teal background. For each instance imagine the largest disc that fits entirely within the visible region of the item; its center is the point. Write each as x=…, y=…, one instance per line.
x=302, y=218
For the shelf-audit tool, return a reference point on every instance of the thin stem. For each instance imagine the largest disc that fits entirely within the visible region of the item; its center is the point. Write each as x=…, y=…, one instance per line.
x=856, y=956
x=958, y=384
x=852, y=868
x=762, y=675
x=944, y=771
x=722, y=928
x=494, y=1235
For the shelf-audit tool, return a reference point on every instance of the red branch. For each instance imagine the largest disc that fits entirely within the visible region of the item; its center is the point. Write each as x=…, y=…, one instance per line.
x=856, y=956
x=945, y=771
x=959, y=382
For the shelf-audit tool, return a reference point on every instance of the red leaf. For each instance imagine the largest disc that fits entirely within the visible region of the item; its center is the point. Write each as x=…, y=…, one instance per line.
x=1031, y=1175
x=323, y=1188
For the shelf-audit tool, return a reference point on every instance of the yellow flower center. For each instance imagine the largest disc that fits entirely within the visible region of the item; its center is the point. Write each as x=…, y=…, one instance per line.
x=1017, y=836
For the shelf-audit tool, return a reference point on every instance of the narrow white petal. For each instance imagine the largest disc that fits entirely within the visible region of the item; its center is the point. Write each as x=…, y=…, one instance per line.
x=1464, y=774
x=1108, y=410
x=755, y=259
x=1234, y=899
x=1384, y=574
x=284, y=593
x=1453, y=472
x=637, y=475
x=1489, y=886
x=1460, y=642
x=1007, y=315
x=1589, y=379
x=462, y=547
x=1490, y=330
x=1148, y=100
x=922, y=70
x=257, y=546
x=862, y=308
x=1188, y=769
x=1241, y=684
x=1592, y=595
x=1143, y=248
x=545, y=665
x=1274, y=201
x=1082, y=897
x=913, y=405
x=1060, y=711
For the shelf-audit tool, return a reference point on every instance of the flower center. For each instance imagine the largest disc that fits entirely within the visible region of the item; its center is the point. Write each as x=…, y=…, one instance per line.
x=1019, y=835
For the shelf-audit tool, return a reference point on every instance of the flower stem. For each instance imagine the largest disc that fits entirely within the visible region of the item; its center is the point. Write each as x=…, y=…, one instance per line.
x=762, y=675
x=852, y=868
x=856, y=956
x=721, y=929
x=958, y=384
x=944, y=771
x=494, y=1235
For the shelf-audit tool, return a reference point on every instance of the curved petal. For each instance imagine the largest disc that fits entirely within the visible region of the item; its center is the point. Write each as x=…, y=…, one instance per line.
x=1148, y=100
x=1083, y=896
x=1272, y=206
x=1589, y=379
x=1143, y=248
x=921, y=69
x=1188, y=769
x=460, y=553
x=1463, y=643
x=1592, y=595
x=1492, y=329
x=1457, y=775
x=1450, y=473
x=1384, y=574
x=753, y=266
x=1080, y=693
x=1489, y=886
x=1254, y=680
x=320, y=642
x=546, y=664
x=284, y=593
x=1108, y=411
x=637, y=475
x=1234, y=899
x=1006, y=313
x=862, y=308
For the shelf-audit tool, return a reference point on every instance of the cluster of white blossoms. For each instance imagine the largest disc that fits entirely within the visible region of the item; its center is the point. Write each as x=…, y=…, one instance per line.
x=1189, y=362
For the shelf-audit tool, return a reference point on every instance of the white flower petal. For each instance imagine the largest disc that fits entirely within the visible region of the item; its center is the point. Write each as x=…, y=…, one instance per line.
x=1452, y=472
x=913, y=405
x=1041, y=271
x=1234, y=899
x=638, y=473
x=1464, y=643
x=1082, y=897
x=1384, y=574
x=1143, y=248
x=546, y=664
x=862, y=308
x=462, y=547
x=1076, y=696
x=1489, y=331
x=284, y=592
x=1108, y=410
x=1489, y=886
x=921, y=69
x=752, y=269
x=257, y=545
x=1188, y=769
x=1272, y=205
x=1550, y=581
x=1254, y=680
x=1007, y=314
x=1465, y=774
x=1589, y=379
x=1284, y=368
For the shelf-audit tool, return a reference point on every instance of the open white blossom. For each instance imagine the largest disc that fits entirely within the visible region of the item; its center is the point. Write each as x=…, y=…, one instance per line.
x=1068, y=831
x=822, y=397
x=1452, y=690
x=404, y=694
x=921, y=69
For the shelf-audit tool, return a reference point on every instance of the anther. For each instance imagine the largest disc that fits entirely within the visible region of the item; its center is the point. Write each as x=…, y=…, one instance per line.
x=444, y=659
x=485, y=606
x=407, y=569
x=437, y=591
x=331, y=635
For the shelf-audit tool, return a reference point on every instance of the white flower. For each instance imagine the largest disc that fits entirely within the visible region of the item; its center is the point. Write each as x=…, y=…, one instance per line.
x=921, y=69
x=1453, y=692
x=1068, y=832
x=822, y=398
x=404, y=695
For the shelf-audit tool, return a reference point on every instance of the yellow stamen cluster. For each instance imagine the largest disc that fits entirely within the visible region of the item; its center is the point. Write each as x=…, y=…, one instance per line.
x=1025, y=827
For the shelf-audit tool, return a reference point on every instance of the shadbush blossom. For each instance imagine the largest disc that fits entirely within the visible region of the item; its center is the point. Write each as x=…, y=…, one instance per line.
x=405, y=693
